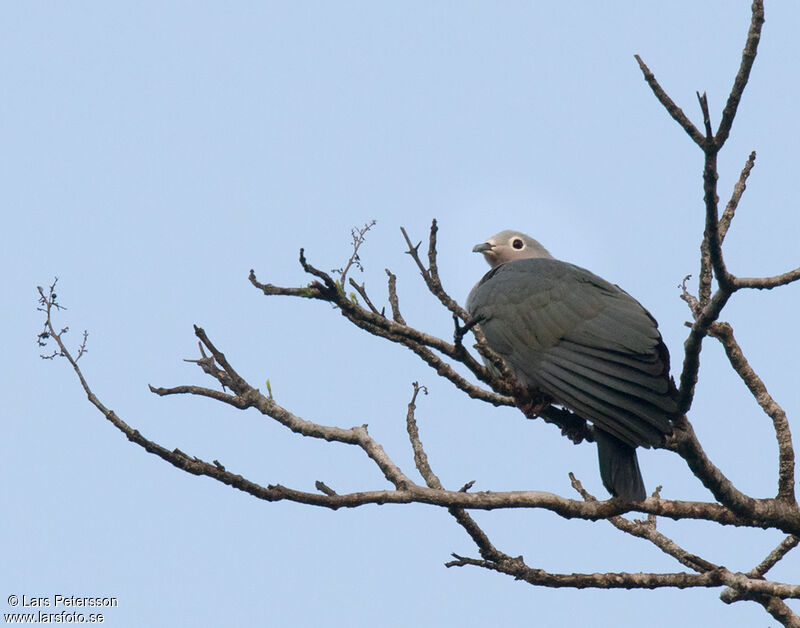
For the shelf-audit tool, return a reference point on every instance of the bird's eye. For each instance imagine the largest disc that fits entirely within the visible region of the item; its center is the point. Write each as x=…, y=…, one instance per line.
x=517, y=243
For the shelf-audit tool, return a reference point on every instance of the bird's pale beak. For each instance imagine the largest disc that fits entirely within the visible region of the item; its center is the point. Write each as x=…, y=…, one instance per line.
x=482, y=248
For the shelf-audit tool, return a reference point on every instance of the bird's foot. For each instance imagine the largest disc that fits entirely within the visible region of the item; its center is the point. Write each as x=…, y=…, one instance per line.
x=532, y=408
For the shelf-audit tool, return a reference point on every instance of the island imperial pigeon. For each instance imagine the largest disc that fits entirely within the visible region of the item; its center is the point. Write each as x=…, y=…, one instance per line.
x=578, y=341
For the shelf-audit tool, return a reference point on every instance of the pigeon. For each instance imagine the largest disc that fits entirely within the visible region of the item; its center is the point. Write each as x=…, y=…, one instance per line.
x=575, y=340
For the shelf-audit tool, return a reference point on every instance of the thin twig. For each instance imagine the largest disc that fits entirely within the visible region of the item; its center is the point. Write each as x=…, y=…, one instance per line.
x=420, y=457
x=431, y=274
x=361, y=289
x=393, y=300
x=674, y=110
x=694, y=304
x=359, y=237
x=703, y=99
x=324, y=488
x=738, y=190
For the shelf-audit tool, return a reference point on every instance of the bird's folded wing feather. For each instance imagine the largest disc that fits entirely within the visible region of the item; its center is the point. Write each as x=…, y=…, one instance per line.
x=583, y=341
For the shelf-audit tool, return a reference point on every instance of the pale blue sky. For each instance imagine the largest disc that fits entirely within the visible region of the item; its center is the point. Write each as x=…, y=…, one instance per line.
x=154, y=152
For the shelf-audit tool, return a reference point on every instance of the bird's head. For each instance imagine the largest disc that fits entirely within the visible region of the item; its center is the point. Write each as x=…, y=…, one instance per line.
x=508, y=246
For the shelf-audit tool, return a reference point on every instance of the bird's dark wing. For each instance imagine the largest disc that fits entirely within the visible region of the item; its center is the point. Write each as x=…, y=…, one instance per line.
x=583, y=341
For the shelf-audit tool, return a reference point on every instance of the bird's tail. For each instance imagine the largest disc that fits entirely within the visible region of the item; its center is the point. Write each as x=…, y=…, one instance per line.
x=619, y=467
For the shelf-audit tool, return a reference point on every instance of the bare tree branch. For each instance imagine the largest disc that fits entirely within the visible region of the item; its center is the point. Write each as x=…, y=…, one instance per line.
x=738, y=190
x=361, y=289
x=374, y=323
x=692, y=346
x=713, y=236
x=741, y=586
x=647, y=530
x=487, y=550
x=704, y=290
x=771, y=511
x=781, y=612
x=393, y=300
x=431, y=274
x=773, y=605
x=405, y=491
x=672, y=109
x=703, y=100
x=724, y=333
x=767, y=283
x=774, y=557
x=764, y=592
x=740, y=82
x=621, y=580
